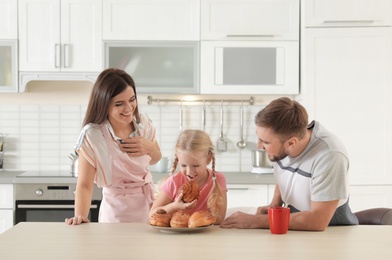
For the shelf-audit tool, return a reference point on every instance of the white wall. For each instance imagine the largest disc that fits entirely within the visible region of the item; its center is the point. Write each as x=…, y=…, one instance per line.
x=43, y=124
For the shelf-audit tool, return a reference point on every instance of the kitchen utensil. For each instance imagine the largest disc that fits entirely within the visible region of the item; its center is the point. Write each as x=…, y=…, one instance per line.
x=242, y=143
x=74, y=164
x=260, y=159
x=221, y=145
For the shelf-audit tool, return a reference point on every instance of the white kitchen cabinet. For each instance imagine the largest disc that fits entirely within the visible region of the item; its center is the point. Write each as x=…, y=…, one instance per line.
x=346, y=85
x=366, y=197
x=8, y=46
x=271, y=191
x=241, y=195
x=60, y=35
x=249, y=47
x=249, y=67
x=249, y=20
x=158, y=67
x=6, y=206
x=6, y=220
x=8, y=19
x=8, y=66
x=362, y=13
x=151, y=20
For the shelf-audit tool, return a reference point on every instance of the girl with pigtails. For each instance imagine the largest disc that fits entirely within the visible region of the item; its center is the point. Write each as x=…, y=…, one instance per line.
x=194, y=151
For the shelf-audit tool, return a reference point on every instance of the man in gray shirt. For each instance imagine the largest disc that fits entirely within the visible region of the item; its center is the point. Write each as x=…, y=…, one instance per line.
x=310, y=170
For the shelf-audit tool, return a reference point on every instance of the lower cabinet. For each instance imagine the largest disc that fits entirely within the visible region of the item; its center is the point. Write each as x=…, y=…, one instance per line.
x=366, y=197
x=6, y=219
x=240, y=195
x=248, y=197
x=6, y=206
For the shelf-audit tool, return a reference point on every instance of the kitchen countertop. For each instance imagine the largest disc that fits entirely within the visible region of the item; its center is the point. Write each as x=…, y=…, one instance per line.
x=9, y=177
x=40, y=240
x=233, y=178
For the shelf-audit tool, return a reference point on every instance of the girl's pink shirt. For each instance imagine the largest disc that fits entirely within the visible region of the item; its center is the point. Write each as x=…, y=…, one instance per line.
x=174, y=182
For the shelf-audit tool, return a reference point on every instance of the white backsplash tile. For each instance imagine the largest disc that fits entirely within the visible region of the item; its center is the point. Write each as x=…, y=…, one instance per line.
x=42, y=137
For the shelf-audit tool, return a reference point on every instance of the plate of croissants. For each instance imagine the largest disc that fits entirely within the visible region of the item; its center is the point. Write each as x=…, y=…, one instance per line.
x=182, y=221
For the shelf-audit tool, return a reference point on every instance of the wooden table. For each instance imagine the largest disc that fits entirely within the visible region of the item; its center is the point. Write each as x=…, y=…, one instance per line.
x=33, y=240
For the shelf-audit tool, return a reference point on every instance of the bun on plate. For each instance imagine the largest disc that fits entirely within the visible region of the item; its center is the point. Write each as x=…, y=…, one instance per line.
x=160, y=218
x=190, y=191
x=201, y=218
x=180, y=219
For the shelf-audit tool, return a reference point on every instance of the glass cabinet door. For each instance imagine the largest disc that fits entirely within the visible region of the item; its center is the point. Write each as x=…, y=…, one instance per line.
x=8, y=67
x=157, y=67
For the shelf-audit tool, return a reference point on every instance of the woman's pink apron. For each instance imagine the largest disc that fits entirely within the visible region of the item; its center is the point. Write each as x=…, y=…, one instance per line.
x=130, y=196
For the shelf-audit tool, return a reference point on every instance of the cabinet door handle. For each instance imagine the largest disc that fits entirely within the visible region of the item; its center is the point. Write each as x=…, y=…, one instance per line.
x=57, y=55
x=51, y=206
x=250, y=35
x=66, y=55
x=238, y=188
x=348, y=21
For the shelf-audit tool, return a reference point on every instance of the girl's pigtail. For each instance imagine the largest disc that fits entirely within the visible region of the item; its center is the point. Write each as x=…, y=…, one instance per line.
x=174, y=167
x=215, y=198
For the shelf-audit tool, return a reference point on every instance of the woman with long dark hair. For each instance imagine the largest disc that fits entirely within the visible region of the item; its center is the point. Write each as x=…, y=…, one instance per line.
x=115, y=148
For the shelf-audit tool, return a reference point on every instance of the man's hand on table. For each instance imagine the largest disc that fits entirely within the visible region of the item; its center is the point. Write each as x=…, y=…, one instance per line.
x=243, y=220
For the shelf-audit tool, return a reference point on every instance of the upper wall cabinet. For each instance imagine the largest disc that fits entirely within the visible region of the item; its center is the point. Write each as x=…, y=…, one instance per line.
x=157, y=67
x=249, y=67
x=8, y=19
x=321, y=13
x=249, y=20
x=151, y=20
x=62, y=35
x=8, y=66
x=8, y=46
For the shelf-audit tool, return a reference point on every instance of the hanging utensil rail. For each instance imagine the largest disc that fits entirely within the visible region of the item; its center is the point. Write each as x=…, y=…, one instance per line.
x=151, y=100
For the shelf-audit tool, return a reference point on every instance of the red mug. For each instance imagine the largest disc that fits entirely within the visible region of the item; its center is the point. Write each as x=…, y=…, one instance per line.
x=279, y=218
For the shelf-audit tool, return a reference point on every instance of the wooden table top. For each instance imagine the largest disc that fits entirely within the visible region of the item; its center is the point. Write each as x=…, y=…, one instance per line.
x=39, y=240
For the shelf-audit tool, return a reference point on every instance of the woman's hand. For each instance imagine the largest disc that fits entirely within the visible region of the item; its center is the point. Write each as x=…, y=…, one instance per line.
x=136, y=146
x=77, y=220
x=139, y=145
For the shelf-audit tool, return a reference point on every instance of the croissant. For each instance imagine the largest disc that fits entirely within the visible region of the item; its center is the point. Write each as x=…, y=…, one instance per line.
x=190, y=191
x=160, y=218
x=180, y=219
x=201, y=218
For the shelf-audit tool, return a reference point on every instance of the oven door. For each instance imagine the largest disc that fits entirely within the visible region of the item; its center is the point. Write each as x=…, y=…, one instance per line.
x=50, y=210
